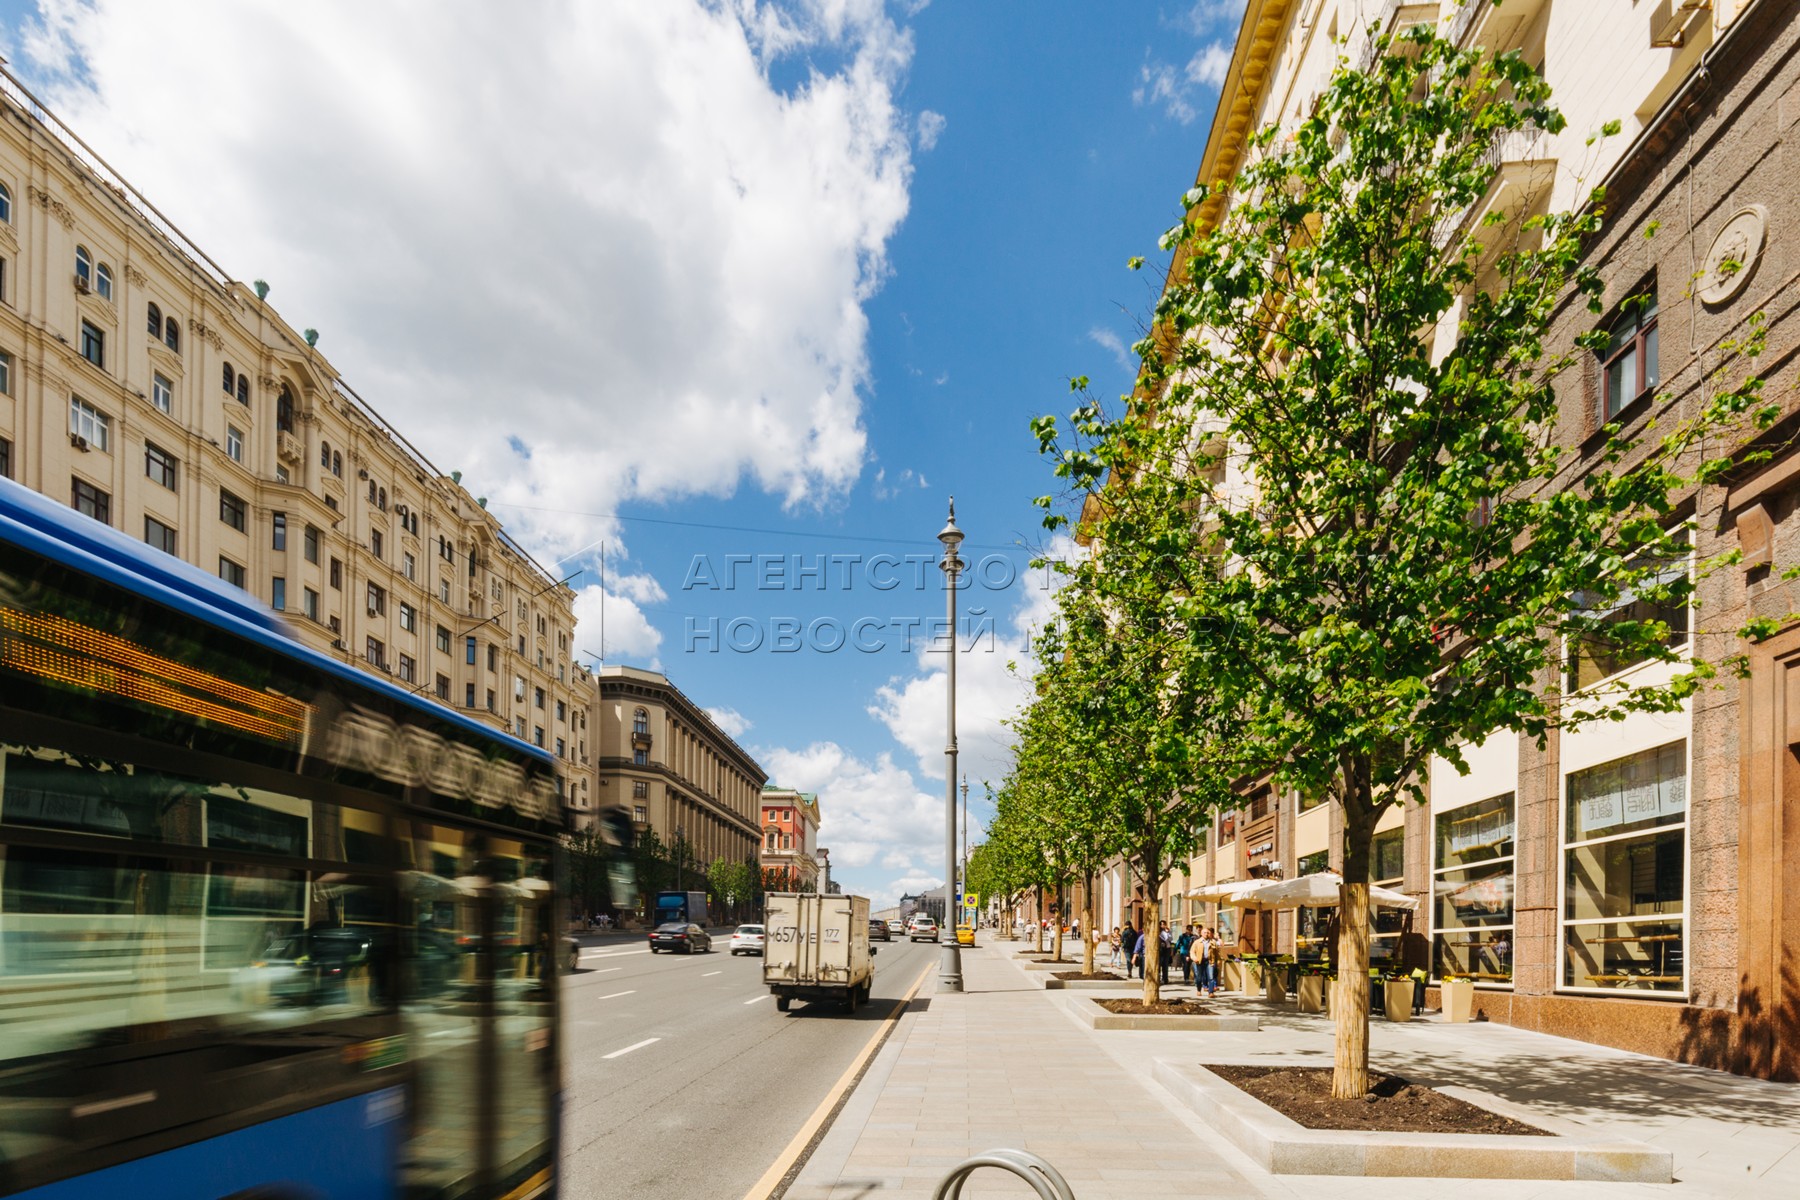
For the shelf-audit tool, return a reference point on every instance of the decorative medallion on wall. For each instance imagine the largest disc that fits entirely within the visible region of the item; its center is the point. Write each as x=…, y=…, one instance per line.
x=1734, y=255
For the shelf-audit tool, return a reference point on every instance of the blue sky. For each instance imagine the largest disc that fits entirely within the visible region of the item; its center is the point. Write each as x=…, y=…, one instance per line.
x=699, y=281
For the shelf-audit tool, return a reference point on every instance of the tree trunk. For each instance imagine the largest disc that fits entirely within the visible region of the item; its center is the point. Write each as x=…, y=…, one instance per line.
x=1087, y=925
x=1056, y=929
x=1037, y=923
x=1350, y=997
x=1152, y=944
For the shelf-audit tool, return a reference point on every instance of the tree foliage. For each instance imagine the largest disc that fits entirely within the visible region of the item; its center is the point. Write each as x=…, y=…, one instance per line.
x=1388, y=534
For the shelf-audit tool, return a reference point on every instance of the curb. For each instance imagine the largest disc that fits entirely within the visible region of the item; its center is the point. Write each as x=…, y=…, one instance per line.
x=1089, y=1012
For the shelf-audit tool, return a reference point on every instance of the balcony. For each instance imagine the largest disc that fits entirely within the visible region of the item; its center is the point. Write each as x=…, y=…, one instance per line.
x=1494, y=27
x=1396, y=16
x=289, y=448
x=1524, y=163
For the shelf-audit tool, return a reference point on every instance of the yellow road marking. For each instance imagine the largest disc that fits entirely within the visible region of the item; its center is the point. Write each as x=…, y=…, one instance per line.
x=765, y=1187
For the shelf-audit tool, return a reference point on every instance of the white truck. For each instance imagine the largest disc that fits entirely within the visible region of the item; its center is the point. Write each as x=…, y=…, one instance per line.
x=817, y=948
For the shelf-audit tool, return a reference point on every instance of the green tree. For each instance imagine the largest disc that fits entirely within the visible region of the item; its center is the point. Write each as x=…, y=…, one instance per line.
x=1406, y=542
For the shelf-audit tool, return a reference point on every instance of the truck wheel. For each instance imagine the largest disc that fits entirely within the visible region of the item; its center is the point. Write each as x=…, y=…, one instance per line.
x=781, y=1003
x=850, y=1001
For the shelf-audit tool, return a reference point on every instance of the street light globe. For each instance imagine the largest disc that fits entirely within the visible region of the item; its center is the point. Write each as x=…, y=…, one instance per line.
x=951, y=536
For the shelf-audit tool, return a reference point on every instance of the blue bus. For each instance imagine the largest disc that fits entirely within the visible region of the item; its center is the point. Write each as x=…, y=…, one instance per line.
x=270, y=927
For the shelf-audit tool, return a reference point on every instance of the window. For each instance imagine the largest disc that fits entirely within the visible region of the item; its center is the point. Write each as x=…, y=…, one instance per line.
x=1628, y=361
x=278, y=532
x=640, y=723
x=325, y=455
x=640, y=789
x=375, y=542
x=468, y=695
x=337, y=463
x=336, y=626
x=336, y=574
x=408, y=617
x=408, y=564
x=5, y=204
x=231, y=572
x=234, y=443
x=278, y=594
x=93, y=344
x=1625, y=874
x=381, y=499
x=469, y=651
x=493, y=657
x=490, y=700
x=5, y=373
x=561, y=748
x=374, y=653
x=640, y=757
x=562, y=710
x=519, y=728
x=640, y=814
x=1472, y=892
x=159, y=465
x=377, y=601
x=284, y=410
x=444, y=591
x=159, y=535
x=1594, y=656
x=243, y=390
x=443, y=640
x=103, y=281
x=230, y=378
x=539, y=697
x=172, y=335
x=406, y=668
x=89, y=500
x=281, y=474
x=153, y=316
x=446, y=551
x=309, y=603
x=89, y=423
x=443, y=688
x=537, y=734
x=162, y=394
x=233, y=511
x=84, y=269
x=309, y=543
x=1387, y=867
x=519, y=689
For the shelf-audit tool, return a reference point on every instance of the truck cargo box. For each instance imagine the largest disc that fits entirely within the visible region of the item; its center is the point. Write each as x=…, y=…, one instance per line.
x=816, y=947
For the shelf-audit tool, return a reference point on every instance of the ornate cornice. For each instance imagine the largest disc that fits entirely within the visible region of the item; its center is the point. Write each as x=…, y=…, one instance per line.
x=53, y=206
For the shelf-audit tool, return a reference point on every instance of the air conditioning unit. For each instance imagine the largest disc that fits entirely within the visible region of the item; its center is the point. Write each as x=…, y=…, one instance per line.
x=337, y=644
x=82, y=286
x=77, y=441
x=362, y=474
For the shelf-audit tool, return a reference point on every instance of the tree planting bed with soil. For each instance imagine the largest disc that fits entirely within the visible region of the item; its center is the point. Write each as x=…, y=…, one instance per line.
x=1162, y=1008
x=1393, y=1105
x=1078, y=976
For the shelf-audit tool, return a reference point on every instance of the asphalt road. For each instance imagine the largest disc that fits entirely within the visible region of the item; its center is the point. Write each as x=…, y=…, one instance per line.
x=701, y=1111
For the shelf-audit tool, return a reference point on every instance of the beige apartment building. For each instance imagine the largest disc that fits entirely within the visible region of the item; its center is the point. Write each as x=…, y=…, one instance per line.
x=1631, y=883
x=665, y=761
x=145, y=387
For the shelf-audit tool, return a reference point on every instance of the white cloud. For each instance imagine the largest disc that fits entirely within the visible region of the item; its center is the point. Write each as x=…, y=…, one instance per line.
x=733, y=722
x=596, y=227
x=627, y=632
x=931, y=128
x=1162, y=85
x=1112, y=343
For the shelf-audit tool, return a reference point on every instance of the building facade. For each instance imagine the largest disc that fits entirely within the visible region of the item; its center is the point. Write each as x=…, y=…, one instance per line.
x=790, y=839
x=662, y=759
x=1632, y=882
x=145, y=387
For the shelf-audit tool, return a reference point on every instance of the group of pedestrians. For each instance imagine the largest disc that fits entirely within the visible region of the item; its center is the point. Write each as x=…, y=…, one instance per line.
x=1197, y=950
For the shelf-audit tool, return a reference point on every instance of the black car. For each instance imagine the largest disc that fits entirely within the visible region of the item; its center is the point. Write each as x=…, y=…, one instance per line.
x=680, y=936
x=878, y=931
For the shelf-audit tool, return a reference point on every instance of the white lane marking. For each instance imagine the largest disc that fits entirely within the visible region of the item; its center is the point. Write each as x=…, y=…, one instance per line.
x=754, y=999
x=616, y=995
x=633, y=1046
x=710, y=974
x=604, y=970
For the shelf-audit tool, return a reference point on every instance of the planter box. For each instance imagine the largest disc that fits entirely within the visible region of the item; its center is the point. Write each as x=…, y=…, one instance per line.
x=1275, y=985
x=1231, y=976
x=1285, y=1147
x=1458, y=998
x=1252, y=977
x=1312, y=993
x=1092, y=1015
x=1397, y=998
x=1094, y=985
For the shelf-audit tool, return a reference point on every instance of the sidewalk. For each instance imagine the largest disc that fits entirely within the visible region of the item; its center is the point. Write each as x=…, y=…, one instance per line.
x=1005, y=1065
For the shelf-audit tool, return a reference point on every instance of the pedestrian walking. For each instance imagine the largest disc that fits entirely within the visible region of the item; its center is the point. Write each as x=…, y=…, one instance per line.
x=1165, y=946
x=1215, y=955
x=1137, y=953
x=1113, y=958
x=1183, y=946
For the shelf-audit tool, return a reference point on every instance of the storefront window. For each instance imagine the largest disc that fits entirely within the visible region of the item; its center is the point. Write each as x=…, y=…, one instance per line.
x=1625, y=874
x=1387, y=868
x=1472, y=892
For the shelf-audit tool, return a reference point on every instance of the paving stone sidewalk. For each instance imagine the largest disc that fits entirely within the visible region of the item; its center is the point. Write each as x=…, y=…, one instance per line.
x=1005, y=1065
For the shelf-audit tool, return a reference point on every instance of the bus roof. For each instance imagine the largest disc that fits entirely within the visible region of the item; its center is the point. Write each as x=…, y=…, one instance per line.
x=63, y=535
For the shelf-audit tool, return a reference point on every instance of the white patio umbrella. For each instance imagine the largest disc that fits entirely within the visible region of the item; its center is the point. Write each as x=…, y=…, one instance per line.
x=1241, y=893
x=1321, y=891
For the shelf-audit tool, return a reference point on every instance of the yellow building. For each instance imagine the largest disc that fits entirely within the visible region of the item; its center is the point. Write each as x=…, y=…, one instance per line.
x=666, y=762
x=145, y=387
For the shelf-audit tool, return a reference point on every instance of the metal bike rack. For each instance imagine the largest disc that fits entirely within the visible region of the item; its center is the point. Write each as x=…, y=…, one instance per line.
x=1044, y=1179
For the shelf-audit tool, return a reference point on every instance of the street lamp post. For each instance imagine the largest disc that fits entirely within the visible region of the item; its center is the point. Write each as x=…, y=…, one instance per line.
x=950, y=969
x=963, y=860
x=680, y=859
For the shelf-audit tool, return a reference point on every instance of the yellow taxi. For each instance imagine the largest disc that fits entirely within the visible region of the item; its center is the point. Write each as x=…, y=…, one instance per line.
x=965, y=935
